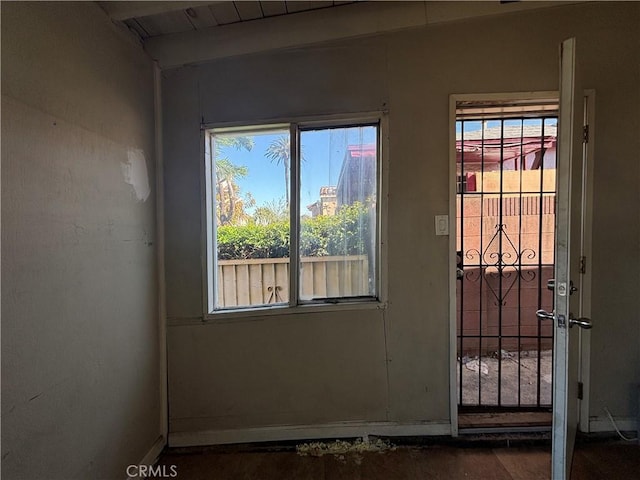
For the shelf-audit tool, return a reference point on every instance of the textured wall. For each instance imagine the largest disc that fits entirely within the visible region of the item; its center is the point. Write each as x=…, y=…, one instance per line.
x=393, y=365
x=80, y=346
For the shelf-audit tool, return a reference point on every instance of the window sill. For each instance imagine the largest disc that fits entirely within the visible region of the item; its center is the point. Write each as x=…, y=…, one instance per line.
x=252, y=314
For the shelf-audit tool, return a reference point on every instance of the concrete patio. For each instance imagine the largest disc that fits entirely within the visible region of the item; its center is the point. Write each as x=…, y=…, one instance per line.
x=481, y=375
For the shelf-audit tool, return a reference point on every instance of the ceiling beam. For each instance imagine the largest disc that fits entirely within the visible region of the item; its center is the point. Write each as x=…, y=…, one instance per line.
x=317, y=26
x=285, y=31
x=125, y=10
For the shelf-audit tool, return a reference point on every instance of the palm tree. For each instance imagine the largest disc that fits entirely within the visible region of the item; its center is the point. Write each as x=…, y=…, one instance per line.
x=227, y=189
x=226, y=173
x=271, y=212
x=279, y=151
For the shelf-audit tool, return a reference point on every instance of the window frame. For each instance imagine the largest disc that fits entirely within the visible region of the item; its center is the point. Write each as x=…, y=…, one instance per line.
x=208, y=227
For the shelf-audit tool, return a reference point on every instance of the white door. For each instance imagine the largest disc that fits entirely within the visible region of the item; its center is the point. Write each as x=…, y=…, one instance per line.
x=568, y=208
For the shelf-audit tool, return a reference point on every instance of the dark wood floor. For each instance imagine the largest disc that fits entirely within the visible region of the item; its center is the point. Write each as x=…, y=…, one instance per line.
x=592, y=461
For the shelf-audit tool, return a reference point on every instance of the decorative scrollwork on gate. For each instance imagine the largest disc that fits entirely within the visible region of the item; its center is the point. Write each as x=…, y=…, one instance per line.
x=501, y=261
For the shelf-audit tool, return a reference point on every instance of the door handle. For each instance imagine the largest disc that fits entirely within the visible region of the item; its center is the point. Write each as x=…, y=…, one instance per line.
x=582, y=322
x=544, y=315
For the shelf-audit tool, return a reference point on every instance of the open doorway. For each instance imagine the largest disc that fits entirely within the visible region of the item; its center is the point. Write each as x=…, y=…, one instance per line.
x=505, y=157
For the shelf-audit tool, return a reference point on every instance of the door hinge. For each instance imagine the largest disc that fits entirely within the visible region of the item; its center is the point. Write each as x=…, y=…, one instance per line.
x=585, y=134
x=580, y=390
x=583, y=264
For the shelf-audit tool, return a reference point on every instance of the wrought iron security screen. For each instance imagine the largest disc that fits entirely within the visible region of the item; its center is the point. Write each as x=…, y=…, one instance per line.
x=505, y=248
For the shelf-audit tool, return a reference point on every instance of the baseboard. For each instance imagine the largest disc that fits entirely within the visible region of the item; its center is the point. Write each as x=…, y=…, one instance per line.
x=152, y=455
x=307, y=432
x=603, y=424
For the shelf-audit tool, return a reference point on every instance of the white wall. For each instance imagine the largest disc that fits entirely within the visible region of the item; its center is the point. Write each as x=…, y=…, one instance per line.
x=392, y=365
x=80, y=344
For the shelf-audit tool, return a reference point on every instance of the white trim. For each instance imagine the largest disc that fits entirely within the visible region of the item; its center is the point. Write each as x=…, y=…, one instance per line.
x=584, y=375
x=453, y=229
x=152, y=455
x=506, y=96
x=208, y=223
x=307, y=432
x=303, y=121
x=520, y=429
x=294, y=305
x=603, y=424
x=258, y=314
x=294, y=214
x=383, y=208
x=207, y=266
x=162, y=310
x=564, y=403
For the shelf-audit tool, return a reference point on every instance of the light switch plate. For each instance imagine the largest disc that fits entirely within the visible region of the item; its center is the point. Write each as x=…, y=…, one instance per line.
x=442, y=224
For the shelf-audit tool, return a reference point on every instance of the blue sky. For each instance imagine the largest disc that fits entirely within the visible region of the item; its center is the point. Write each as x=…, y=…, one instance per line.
x=474, y=125
x=323, y=152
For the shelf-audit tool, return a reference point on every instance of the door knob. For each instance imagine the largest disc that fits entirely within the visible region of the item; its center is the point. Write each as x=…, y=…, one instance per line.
x=585, y=323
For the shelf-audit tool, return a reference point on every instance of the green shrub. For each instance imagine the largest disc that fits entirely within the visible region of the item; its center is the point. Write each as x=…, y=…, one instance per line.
x=253, y=241
x=346, y=233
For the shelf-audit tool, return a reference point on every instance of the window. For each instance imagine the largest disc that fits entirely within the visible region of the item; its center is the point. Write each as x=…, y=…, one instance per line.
x=310, y=189
x=466, y=183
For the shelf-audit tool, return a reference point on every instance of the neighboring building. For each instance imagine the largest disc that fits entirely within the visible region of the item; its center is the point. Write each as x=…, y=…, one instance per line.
x=506, y=210
x=528, y=148
x=327, y=203
x=357, y=180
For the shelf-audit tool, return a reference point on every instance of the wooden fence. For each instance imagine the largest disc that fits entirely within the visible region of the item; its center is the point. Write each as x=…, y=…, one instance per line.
x=266, y=280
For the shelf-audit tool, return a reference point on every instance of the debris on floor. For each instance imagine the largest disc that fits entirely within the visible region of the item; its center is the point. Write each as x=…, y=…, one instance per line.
x=517, y=377
x=477, y=365
x=340, y=448
x=504, y=354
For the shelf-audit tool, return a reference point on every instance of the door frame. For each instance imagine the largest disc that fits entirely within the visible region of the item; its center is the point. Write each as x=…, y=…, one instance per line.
x=586, y=245
x=586, y=251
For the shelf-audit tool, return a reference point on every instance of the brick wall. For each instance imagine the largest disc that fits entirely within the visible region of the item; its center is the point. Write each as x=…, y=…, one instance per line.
x=505, y=304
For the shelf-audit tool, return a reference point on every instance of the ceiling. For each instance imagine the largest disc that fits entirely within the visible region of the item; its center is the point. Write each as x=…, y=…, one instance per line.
x=185, y=32
x=153, y=19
